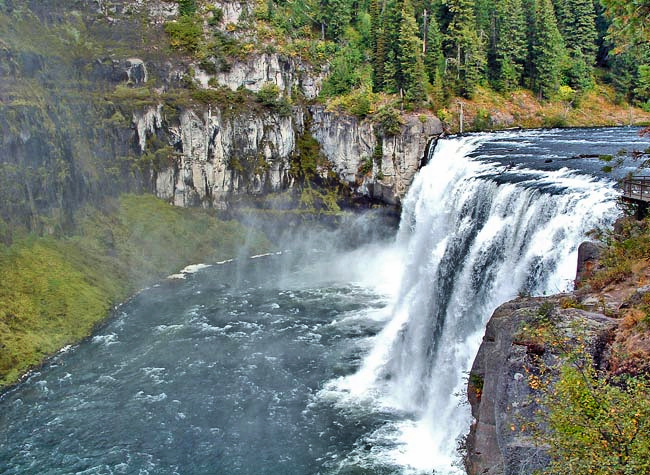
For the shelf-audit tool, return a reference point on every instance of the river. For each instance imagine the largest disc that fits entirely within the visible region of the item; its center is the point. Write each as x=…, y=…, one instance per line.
x=315, y=359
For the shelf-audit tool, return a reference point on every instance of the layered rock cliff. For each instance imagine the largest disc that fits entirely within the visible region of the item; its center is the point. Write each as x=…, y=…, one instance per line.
x=95, y=102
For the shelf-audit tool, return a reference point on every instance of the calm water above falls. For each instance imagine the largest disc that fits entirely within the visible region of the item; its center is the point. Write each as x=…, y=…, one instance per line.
x=329, y=361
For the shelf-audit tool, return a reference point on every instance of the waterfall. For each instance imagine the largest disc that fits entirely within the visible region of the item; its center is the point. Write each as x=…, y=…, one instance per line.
x=474, y=235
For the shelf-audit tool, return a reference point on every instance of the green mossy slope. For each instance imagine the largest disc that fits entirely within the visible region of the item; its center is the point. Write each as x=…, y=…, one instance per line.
x=54, y=291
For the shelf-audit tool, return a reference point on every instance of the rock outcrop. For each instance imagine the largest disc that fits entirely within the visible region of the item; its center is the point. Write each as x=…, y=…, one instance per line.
x=251, y=152
x=290, y=75
x=588, y=254
x=503, y=396
x=349, y=143
x=219, y=156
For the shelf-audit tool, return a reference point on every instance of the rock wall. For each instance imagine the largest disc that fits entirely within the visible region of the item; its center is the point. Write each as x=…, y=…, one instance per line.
x=289, y=74
x=502, y=397
x=223, y=154
x=349, y=143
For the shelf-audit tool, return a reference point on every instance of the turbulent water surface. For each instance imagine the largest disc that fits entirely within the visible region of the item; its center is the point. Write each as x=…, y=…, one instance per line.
x=317, y=360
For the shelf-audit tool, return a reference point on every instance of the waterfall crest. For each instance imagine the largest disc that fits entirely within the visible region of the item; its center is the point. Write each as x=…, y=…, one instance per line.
x=474, y=235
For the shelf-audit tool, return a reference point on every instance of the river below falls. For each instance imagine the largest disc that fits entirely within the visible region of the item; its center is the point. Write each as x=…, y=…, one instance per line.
x=203, y=375
x=315, y=359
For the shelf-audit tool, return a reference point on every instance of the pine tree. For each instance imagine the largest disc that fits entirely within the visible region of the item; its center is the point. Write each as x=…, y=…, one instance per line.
x=630, y=26
x=335, y=16
x=391, y=73
x=378, y=46
x=510, y=44
x=464, y=48
x=484, y=13
x=562, y=14
x=391, y=23
x=577, y=24
x=547, y=51
x=434, y=60
x=410, y=59
x=530, y=7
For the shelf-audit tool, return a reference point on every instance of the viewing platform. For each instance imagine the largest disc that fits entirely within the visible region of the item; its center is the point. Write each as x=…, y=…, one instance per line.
x=636, y=191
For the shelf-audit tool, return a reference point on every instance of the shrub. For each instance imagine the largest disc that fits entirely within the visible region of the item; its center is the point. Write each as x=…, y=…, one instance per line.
x=481, y=120
x=366, y=166
x=186, y=7
x=268, y=94
x=217, y=16
x=358, y=102
x=185, y=33
x=207, y=65
x=598, y=426
x=389, y=121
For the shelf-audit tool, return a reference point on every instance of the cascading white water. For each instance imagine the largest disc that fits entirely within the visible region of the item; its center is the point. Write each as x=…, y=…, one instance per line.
x=472, y=239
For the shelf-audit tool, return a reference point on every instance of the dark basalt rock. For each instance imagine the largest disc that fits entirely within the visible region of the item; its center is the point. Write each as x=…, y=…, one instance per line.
x=500, y=391
x=588, y=255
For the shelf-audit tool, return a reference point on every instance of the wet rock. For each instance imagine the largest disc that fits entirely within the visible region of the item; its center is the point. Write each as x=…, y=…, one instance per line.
x=588, y=255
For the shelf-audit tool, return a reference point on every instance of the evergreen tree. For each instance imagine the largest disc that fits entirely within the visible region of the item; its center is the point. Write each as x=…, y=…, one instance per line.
x=562, y=14
x=547, y=51
x=391, y=24
x=411, y=62
x=485, y=18
x=434, y=60
x=578, y=27
x=335, y=15
x=578, y=71
x=630, y=26
x=577, y=23
x=510, y=44
x=464, y=48
x=378, y=46
x=391, y=73
x=530, y=7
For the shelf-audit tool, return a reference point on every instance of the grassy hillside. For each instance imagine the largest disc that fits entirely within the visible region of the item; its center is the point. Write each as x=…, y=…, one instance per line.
x=54, y=291
x=489, y=110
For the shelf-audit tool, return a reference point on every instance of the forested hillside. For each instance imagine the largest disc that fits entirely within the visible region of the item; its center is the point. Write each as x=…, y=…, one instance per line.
x=428, y=51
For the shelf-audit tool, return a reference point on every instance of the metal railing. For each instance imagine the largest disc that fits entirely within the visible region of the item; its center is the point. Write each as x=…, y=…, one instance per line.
x=637, y=188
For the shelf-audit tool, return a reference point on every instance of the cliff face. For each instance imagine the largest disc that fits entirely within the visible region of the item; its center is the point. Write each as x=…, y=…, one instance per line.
x=348, y=142
x=252, y=153
x=502, y=390
x=247, y=153
x=95, y=102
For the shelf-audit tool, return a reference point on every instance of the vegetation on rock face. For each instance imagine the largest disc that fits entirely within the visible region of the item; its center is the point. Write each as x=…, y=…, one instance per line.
x=598, y=425
x=54, y=291
x=594, y=393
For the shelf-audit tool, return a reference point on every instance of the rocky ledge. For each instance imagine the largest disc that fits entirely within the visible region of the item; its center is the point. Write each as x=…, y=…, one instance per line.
x=504, y=388
x=502, y=392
